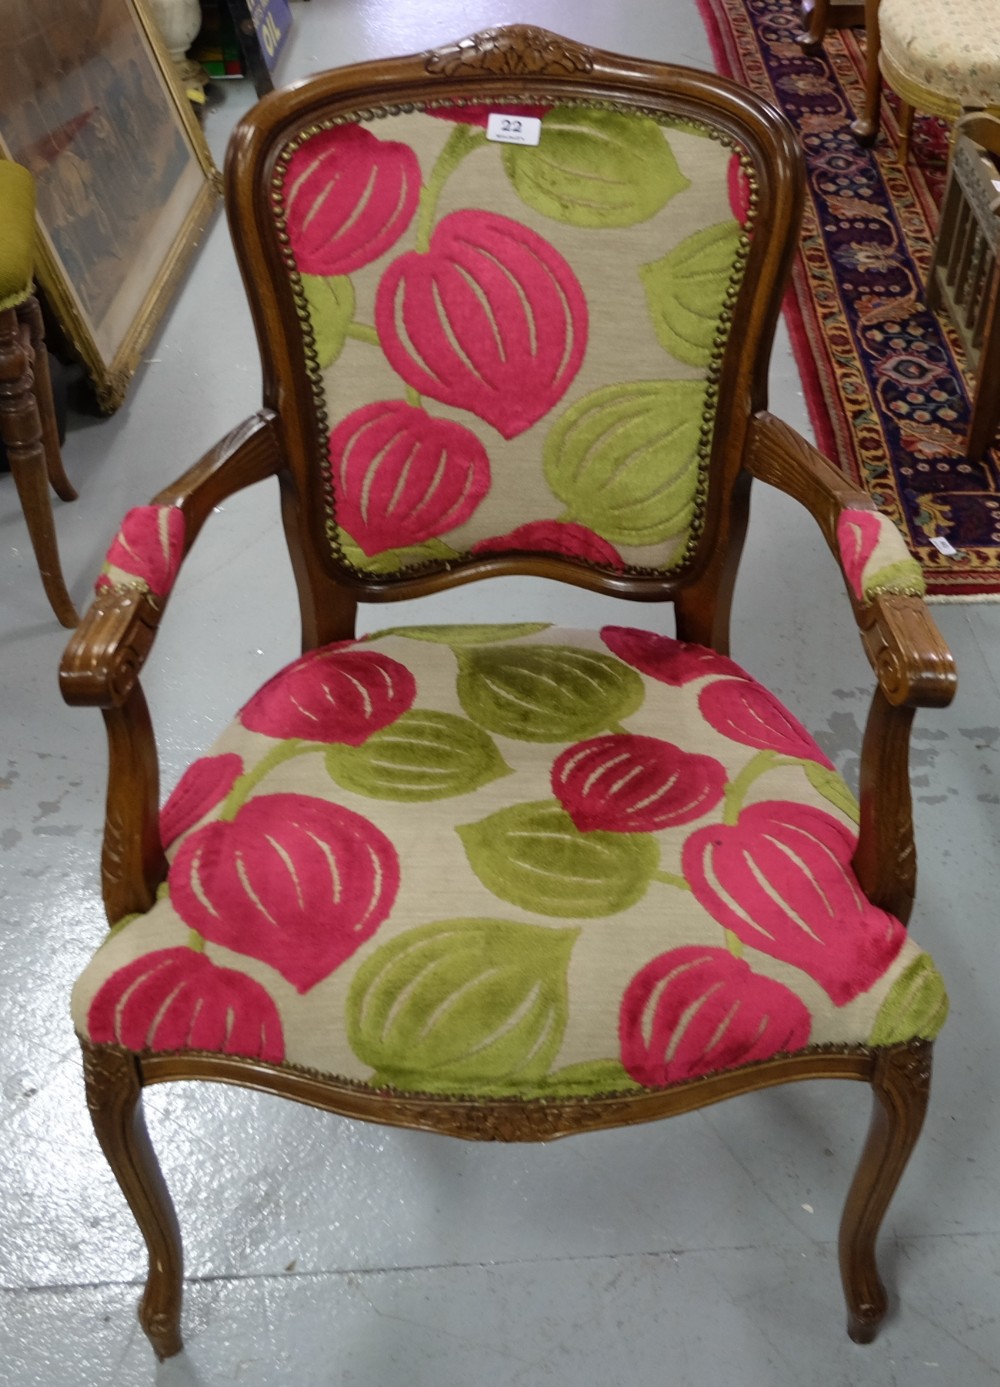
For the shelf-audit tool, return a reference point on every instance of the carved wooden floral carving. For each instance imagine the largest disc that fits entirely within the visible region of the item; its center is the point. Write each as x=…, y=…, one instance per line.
x=513, y=52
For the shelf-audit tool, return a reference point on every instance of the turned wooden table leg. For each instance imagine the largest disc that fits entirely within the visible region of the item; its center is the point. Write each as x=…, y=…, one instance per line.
x=21, y=430
x=30, y=313
x=865, y=128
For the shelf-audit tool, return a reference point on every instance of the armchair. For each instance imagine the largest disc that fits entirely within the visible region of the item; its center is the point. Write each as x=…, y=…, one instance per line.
x=508, y=881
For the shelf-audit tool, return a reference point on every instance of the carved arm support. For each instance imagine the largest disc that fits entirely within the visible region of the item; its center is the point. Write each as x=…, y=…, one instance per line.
x=913, y=666
x=105, y=656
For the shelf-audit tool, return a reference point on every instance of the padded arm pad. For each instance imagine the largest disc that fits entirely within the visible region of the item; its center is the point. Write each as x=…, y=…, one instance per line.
x=875, y=558
x=147, y=551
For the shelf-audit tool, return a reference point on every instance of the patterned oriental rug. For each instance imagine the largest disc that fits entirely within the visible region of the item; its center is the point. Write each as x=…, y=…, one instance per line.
x=883, y=377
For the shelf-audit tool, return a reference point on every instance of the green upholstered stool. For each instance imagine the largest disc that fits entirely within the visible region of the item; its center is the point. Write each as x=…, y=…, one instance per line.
x=27, y=414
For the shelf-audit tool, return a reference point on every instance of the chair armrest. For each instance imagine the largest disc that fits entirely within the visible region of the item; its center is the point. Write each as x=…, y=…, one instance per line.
x=912, y=663
x=109, y=648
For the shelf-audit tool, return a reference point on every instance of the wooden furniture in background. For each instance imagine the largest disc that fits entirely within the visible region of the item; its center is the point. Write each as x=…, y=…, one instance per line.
x=939, y=60
x=964, y=279
x=28, y=425
x=820, y=15
x=125, y=179
x=300, y=233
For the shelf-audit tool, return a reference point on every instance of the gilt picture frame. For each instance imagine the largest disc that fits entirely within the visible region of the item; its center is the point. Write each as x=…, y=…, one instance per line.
x=126, y=185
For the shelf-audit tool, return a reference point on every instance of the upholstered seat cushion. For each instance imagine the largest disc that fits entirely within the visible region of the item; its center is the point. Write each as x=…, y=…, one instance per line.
x=17, y=233
x=510, y=860
x=950, y=46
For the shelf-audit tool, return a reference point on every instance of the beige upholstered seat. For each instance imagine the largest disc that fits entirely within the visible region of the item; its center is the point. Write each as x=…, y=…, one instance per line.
x=563, y=833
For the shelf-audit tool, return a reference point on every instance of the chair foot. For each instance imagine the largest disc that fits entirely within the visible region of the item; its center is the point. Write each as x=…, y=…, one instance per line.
x=901, y=1086
x=811, y=41
x=114, y=1095
x=865, y=131
x=862, y=1331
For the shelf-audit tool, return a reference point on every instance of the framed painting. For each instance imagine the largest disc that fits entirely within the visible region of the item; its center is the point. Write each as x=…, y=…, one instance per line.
x=126, y=184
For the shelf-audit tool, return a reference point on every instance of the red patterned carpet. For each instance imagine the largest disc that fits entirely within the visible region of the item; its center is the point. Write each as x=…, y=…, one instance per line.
x=883, y=378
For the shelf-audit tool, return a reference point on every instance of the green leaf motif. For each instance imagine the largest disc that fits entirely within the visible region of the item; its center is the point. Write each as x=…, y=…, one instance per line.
x=535, y=857
x=917, y=1005
x=595, y=168
x=423, y=755
x=546, y=693
x=589, y=1078
x=392, y=560
x=462, y=1006
x=466, y=635
x=624, y=459
x=685, y=291
x=833, y=788
x=331, y=309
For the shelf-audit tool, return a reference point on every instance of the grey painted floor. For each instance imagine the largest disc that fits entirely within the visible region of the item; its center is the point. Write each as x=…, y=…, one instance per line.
x=700, y=1251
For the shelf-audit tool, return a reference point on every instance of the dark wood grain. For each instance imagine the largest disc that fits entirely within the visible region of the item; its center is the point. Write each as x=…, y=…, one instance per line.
x=29, y=433
x=114, y=1097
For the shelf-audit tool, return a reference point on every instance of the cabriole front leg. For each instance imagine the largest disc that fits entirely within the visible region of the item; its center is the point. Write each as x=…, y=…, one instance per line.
x=114, y=1097
x=901, y=1086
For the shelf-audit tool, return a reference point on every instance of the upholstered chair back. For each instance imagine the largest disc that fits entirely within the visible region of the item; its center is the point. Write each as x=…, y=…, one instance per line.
x=513, y=350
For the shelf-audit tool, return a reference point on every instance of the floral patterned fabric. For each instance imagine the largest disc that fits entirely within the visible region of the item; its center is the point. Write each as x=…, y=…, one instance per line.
x=510, y=860
x=147, y=551
x=515, y=347
x=951, y=46
x=875, y=557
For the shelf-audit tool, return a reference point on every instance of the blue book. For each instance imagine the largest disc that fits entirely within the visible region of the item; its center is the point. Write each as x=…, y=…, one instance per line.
x=272, y=20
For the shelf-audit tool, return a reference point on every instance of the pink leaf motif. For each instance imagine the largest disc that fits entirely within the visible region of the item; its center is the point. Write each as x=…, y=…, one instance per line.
x=177, y=999
x=665, y=659
x=624, y=783
x=479, y=115
x=490, y=319
x=858, y=533
x=401, y=477
x=349, y=198
x=149, y=547
x=339, y=693
x=780, y=878
x=746, y=712
x=292, y=880
x=563, y=537
x=697, y=1011
x=204, y=784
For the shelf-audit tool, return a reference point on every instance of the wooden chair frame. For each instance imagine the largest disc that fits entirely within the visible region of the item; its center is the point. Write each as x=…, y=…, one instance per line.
x=102, y=665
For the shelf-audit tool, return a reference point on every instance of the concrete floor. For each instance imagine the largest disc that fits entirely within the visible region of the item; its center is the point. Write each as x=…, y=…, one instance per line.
x=319, y=1251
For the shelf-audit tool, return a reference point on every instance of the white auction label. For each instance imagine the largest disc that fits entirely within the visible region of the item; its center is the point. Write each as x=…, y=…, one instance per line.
x=513, y=129
x=943, y=546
